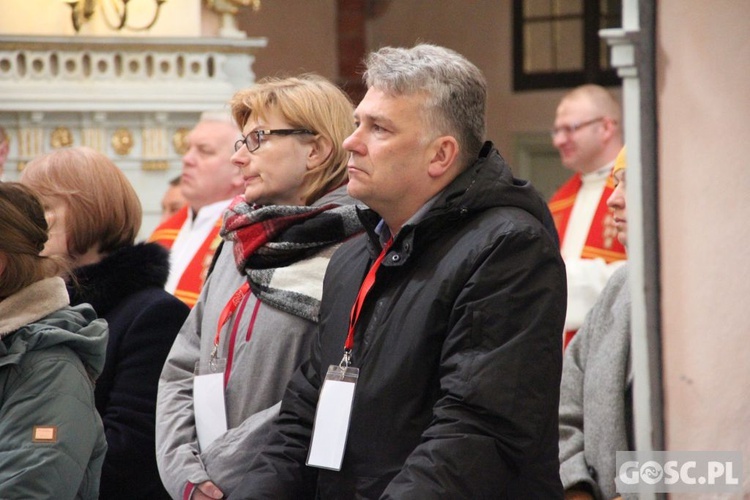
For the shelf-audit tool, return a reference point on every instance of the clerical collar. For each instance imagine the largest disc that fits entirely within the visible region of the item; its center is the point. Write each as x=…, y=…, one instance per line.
x=598, y=175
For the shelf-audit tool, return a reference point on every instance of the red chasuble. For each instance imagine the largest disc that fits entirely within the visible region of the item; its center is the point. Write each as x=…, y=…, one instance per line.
x=190, y=283
x=601, y=242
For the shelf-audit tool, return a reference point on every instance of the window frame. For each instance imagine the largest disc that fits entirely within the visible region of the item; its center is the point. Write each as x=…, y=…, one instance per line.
x=592, y=46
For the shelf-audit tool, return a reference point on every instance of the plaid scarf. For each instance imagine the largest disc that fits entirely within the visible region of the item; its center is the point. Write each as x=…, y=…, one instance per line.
x=299, y=239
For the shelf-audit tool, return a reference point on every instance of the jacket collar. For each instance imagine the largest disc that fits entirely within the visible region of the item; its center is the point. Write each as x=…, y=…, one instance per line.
x=125, y=271
x=31, y=304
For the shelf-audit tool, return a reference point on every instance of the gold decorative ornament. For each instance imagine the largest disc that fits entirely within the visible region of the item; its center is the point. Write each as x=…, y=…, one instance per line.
x=61, y=137
x=179, y=141
x=30, y=142
x=152, y=165
x=122, y=141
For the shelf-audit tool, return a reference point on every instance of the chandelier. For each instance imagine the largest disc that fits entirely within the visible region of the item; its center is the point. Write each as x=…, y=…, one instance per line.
x=114, y=13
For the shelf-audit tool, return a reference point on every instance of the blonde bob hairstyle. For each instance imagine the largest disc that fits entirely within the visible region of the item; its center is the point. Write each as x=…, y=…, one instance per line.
x=103, y=209
x=311, y=102
x=24, y=233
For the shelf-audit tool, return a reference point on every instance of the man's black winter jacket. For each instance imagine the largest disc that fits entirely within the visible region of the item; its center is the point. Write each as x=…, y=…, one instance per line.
x=459, y=349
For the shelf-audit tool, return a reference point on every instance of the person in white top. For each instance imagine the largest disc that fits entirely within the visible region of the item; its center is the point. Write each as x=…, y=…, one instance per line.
x=588, y=135
x=209, y=183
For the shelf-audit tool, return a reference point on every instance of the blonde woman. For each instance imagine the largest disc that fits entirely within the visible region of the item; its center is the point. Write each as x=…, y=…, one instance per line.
x=259, y=308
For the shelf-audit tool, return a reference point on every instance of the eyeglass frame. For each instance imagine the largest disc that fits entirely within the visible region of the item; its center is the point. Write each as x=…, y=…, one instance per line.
x=569, y=130
x=260, y=133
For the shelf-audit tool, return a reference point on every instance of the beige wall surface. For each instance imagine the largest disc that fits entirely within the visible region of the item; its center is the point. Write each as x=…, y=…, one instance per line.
x=703, y=73
x=301, y=37
x=481, y=30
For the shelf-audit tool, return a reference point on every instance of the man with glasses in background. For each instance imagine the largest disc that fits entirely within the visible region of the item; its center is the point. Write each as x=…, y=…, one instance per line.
x=209, y=181
x=588, y=135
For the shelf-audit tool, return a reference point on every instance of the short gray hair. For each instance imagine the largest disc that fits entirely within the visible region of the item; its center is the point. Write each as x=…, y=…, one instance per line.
x=455, y=88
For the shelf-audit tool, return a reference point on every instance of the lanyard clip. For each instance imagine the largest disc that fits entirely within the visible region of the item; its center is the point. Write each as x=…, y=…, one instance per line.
x=346, y=360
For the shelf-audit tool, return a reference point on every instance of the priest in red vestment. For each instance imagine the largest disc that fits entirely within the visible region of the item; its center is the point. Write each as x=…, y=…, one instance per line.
x=587, y=133
x=209, y=182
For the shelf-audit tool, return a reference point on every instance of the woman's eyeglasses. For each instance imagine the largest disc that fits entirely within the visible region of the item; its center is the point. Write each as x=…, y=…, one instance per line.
x=252, y=141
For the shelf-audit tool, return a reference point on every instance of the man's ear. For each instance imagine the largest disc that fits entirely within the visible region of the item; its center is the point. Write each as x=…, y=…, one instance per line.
x=321, y=150
x=610, y=128
x=445, y=153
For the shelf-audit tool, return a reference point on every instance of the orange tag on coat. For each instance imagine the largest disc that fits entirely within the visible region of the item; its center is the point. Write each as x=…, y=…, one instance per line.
x=45, y=434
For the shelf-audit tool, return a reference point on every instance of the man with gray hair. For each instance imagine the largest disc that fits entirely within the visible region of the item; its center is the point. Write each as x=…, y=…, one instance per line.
x=436, y=369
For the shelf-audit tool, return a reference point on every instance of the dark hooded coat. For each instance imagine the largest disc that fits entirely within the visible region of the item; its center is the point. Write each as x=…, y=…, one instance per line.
x=127, y=289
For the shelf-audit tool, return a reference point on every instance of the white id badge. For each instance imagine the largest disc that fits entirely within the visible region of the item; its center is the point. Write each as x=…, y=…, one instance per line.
x=332, y=418
x=208, y=401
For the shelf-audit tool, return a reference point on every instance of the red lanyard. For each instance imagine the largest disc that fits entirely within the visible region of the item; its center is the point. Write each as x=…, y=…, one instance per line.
x=229, y=310
x=363, y=291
